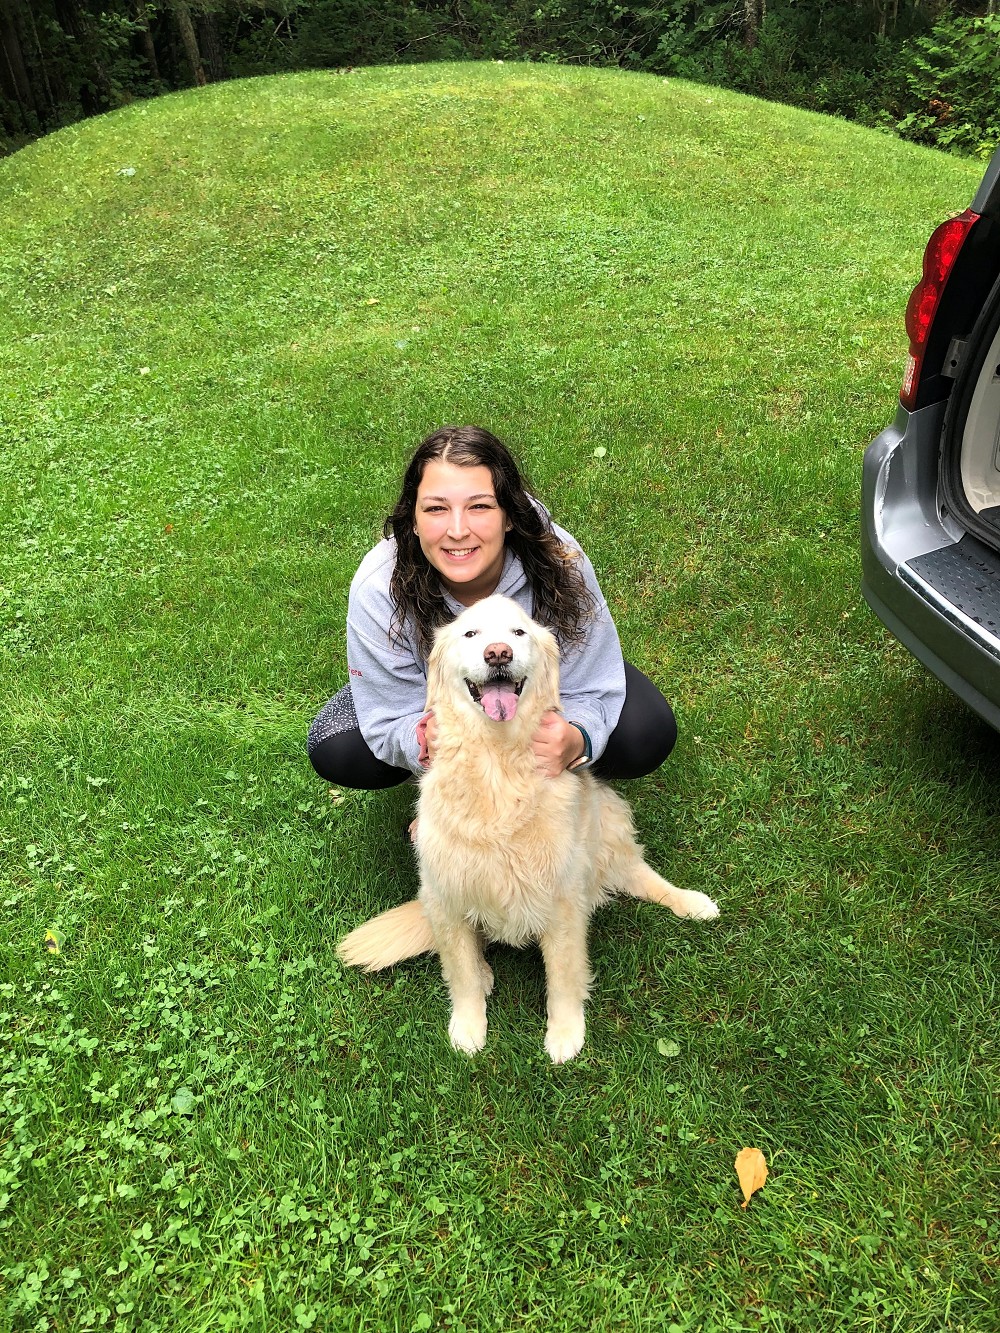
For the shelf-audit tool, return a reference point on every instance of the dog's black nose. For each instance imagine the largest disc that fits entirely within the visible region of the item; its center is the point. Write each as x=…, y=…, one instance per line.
x=498, y=654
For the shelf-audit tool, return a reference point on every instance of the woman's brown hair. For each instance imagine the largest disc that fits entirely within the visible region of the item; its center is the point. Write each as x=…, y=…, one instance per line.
x=562, y=601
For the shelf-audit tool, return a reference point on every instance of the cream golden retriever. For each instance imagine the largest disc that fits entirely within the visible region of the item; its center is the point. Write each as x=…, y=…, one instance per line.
x=506, y=853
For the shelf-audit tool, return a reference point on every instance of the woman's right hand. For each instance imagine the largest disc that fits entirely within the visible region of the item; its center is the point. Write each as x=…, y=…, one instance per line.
x=427, y=735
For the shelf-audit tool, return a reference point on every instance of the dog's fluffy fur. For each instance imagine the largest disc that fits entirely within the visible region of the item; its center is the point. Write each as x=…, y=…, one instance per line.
x=505, y=852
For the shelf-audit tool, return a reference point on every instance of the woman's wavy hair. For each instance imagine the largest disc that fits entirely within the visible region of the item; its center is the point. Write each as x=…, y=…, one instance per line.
x=561, y=599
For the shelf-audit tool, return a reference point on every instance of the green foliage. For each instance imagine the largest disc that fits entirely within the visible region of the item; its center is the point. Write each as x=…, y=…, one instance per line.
x=74, y=60
x=869, y=62
x=951, y=79
x=332, y=33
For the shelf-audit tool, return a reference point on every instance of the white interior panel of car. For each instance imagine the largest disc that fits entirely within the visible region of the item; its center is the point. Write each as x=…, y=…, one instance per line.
x=981, y=438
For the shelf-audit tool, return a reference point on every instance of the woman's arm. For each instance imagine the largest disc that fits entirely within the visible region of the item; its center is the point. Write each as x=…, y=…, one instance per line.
x=388, y=682
x=592, y=673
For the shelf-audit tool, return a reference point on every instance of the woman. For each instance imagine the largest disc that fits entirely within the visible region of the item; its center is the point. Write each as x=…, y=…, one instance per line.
x=465, y=527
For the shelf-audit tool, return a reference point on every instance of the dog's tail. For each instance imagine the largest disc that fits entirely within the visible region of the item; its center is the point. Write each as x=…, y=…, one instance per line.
x=402, y=932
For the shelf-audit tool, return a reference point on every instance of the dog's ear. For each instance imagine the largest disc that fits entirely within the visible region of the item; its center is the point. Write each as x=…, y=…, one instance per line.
x=548, y=687
x=435, y=667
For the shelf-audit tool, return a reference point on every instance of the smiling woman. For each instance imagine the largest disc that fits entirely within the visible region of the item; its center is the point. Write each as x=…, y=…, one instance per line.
x=461, y=534
x=465, y=527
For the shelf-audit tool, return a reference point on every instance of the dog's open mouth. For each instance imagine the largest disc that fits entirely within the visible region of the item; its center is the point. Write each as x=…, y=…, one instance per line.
x=497, y=695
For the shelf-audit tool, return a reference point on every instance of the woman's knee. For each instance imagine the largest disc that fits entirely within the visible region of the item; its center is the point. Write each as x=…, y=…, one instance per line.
x=345, y=760
x=654, y=741
x=637, y=755
x=646, y=731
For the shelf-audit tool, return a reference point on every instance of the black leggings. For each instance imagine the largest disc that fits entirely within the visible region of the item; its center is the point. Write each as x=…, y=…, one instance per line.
x=643, y=738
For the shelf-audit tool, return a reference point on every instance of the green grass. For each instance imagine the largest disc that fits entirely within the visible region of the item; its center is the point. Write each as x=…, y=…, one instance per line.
x=214, y=368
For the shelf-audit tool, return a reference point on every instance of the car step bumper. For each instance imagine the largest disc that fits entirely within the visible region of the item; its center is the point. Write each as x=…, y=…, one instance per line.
x=962, y=583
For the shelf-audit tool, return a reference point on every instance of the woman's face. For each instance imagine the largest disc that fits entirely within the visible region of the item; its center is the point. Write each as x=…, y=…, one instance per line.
x=461, y=528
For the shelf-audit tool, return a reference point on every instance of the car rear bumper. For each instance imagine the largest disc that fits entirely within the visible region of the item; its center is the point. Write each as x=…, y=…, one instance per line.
x=906, y=545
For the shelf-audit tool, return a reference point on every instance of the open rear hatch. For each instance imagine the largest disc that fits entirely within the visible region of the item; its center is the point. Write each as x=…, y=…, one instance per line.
x=970, y=439
x=965, y=577
x=955, y=353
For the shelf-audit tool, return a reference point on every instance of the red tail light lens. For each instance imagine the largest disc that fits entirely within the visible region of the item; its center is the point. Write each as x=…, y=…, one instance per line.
x=939, y=259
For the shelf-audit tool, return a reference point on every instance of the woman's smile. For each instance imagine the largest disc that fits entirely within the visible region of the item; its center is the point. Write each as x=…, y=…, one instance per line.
x=461, y=528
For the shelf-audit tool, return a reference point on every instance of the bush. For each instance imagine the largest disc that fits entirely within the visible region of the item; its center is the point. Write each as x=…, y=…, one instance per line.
x=949, y=85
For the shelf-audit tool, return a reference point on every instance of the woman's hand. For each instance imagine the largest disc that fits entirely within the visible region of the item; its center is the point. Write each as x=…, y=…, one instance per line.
x=556, y=744
x=427, y=735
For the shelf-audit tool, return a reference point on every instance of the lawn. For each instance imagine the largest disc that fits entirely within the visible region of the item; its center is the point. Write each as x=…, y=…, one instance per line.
x=227, y=317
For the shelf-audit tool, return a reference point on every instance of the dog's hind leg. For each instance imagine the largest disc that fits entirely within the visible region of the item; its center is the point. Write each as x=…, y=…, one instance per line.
x=644, y=882
x=469, y=981
x=622, y=869
x=567, y=980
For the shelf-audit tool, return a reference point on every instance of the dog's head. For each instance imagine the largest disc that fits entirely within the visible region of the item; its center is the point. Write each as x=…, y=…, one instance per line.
x=494, y=661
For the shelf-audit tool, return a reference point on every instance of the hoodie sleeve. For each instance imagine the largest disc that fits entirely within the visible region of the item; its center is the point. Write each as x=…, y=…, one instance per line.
x=592, y=677
x=388, y=682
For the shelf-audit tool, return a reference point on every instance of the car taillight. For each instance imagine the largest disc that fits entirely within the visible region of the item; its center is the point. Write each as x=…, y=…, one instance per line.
x=939, y=259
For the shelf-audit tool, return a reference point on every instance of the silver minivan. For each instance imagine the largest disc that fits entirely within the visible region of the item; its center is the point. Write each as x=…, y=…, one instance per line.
x=930, y=540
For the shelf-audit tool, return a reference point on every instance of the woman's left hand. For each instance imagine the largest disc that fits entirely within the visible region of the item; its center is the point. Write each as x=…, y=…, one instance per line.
x=556, y=744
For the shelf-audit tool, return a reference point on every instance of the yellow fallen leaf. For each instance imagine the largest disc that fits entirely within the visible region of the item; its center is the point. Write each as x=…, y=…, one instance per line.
x=752, y=1171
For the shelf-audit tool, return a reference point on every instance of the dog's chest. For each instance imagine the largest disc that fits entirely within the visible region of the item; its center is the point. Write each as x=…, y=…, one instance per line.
x=507, y=896
x=503, y=869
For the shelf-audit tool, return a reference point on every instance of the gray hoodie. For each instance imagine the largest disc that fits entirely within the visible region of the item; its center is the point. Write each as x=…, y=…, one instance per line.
x=389, y=680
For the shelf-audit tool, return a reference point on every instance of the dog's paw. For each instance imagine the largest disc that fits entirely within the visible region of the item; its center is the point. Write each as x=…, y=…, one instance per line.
x=697, y=906
x=563, y=1040
x=467, y=1032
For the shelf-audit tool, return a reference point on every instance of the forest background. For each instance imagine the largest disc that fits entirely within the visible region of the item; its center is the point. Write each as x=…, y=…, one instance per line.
x=928, y=70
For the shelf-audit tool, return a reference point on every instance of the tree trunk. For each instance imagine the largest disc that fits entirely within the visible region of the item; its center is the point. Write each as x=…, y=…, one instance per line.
x=189, y=40
x=55, y=87
x=208, y=31
x=753, y=16
x=146, y=41
x=78, y=25
x=14, y=79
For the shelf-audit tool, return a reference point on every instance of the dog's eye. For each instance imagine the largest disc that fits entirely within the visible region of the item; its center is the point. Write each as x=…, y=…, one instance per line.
x=520, y=633
x=471, y=633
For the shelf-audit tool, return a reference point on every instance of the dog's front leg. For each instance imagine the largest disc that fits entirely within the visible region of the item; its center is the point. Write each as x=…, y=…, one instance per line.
x=567, y=980
x=469, y=981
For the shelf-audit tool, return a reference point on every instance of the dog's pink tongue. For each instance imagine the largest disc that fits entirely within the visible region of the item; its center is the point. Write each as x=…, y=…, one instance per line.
x=499, y=702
